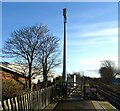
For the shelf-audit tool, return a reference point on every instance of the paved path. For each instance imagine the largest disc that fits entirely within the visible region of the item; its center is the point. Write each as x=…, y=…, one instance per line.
x=74, y=103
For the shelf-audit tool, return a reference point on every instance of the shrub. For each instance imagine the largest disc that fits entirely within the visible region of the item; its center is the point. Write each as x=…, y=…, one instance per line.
x=11, y=88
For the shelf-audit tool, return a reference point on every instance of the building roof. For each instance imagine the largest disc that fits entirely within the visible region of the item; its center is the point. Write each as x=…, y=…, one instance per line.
x=11, y=70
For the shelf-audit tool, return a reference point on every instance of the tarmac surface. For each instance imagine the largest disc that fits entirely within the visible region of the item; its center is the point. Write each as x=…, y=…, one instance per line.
x=74, y=103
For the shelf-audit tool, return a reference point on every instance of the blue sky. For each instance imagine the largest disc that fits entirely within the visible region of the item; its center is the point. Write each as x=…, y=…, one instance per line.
x=91, y=29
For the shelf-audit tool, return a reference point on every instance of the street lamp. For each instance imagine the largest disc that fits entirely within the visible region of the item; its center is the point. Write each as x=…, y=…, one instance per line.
x=64, y=47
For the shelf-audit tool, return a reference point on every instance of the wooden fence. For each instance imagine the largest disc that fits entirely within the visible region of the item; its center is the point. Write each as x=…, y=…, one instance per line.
x=32, y=101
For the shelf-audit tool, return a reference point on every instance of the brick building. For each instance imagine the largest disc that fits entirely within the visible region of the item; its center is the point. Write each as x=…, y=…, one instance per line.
x=7, y=73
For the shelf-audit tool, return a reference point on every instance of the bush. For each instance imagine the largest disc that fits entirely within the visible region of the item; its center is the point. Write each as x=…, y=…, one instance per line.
x=11, y=88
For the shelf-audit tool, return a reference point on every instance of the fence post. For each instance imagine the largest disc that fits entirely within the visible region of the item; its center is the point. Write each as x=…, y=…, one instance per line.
x=40, y=99
x=9, y=105
x=48, y=94
x=32, y=102
x=46, y=97
x=53, y=95
x=13, y=104
x=25, y=102
x=19, y=103
x=16, y=104
x=29, y=100
x=1, y=108
x=5, y=105
x=26, y=98
x=35, y=100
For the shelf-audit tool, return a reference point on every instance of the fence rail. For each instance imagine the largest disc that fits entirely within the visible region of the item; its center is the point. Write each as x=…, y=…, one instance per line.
x=29, y=102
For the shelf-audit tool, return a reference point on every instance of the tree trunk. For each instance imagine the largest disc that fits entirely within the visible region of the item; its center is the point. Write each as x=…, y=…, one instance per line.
x=45, y=78
x=30, y=67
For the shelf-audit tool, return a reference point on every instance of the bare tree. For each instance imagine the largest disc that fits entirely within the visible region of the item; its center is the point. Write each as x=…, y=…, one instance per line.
x=107, y=71
x=27, y=44
x=49, y=55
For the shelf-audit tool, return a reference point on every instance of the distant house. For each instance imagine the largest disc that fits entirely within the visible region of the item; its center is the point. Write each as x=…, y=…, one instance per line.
x=39, y=77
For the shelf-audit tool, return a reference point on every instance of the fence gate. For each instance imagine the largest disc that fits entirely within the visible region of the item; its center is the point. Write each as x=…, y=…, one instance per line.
x=74, y=87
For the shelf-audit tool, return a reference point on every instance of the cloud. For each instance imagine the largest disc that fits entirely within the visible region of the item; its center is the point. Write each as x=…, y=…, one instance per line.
x=98, y=60
x=98, y=41
x=92, y=26
x=94, y=63
x=90, y=14
x=92, y=34
x=102, y=33
x=90, y=65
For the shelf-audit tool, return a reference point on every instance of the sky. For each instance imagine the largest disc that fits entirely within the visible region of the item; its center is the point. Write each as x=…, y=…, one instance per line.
x=92, y=30
x=60, y=0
